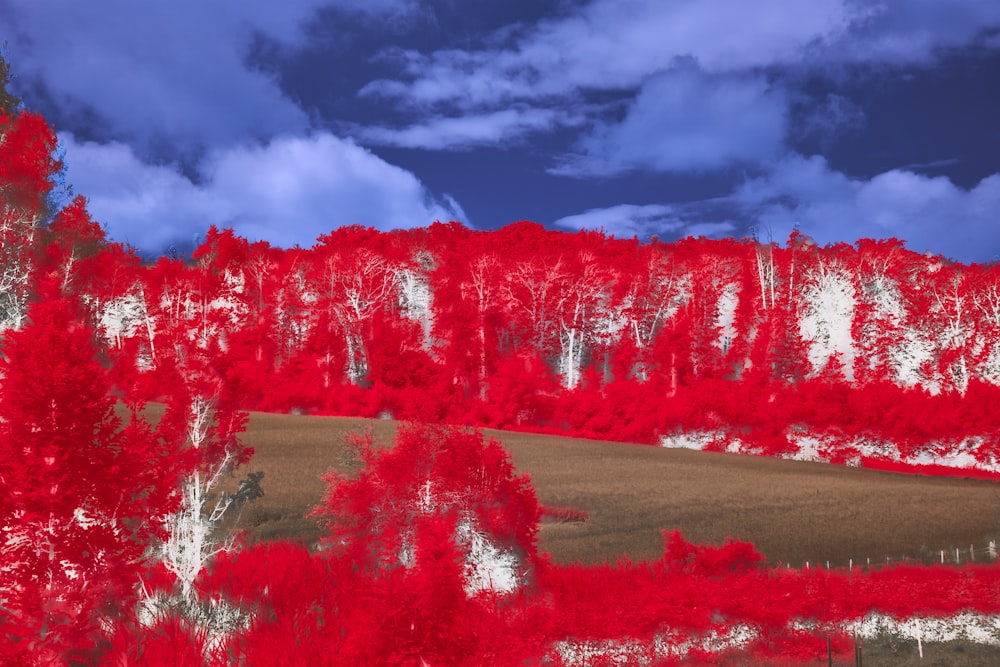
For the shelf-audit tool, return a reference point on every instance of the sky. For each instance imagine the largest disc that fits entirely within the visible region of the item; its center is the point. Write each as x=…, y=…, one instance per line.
x=843, y=119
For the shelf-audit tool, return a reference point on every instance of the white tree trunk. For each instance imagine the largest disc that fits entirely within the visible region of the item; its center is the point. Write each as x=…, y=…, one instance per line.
x=190, y=545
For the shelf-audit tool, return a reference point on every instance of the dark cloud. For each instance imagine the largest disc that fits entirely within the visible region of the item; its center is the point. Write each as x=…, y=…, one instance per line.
x=685, y=120
x=827, y=120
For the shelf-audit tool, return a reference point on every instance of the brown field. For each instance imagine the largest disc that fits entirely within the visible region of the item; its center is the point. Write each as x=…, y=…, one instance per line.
x=792, y=511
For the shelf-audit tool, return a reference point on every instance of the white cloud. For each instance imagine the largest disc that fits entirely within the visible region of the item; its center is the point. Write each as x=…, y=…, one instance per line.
x=168, y=76
x=625, y=220
x=714, y=230
x=147, y=206
x=684, y=120
x=621, y=46
x=288, y=192
x=463, y=132
x=317, y=183
x=615, y=45
x=929, y=213
x=628, y=220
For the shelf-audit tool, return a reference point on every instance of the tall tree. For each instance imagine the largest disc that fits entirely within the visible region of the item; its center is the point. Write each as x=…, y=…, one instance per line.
x=355, y=275
x=27, y=176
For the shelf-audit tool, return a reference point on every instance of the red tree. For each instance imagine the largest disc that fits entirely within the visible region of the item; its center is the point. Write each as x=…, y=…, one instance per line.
x=433, y=472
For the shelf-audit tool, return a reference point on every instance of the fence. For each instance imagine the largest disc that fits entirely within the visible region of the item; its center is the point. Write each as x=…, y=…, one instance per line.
x=949, y=556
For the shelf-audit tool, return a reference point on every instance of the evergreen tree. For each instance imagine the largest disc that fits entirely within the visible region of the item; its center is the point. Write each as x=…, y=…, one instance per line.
x=80, y=490
x=8, y=102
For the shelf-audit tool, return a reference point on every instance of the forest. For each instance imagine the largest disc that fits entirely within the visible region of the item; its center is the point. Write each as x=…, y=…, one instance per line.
x=583, y=334
x=865, y=354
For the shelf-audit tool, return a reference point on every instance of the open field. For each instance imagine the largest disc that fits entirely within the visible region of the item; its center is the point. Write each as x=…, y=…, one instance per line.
x=792, y=511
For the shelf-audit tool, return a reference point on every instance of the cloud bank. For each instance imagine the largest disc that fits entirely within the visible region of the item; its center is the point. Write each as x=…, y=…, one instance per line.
x=288, y=192
x=929, y=213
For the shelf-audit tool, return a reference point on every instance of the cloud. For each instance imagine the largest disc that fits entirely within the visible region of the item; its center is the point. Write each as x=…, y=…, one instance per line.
x=613, y=48
x=715, y=230
x=172, y=78
x=663, y=220
x=148, y=206
x=469, y=131
x=616, y=45
x=916, y=31
x=931, y=164
x=288, y=192
x=631, y=220
x=828, y=119
x=685, y=120
x=929, y=213
x=625, y=220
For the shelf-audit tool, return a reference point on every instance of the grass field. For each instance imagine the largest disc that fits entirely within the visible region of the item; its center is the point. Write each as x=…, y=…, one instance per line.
x=792, y=511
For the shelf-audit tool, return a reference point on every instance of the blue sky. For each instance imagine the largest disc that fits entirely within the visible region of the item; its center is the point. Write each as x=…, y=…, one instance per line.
x=283, y=120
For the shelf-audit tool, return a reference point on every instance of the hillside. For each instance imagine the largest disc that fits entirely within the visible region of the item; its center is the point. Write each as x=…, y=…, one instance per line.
x=843, y=353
